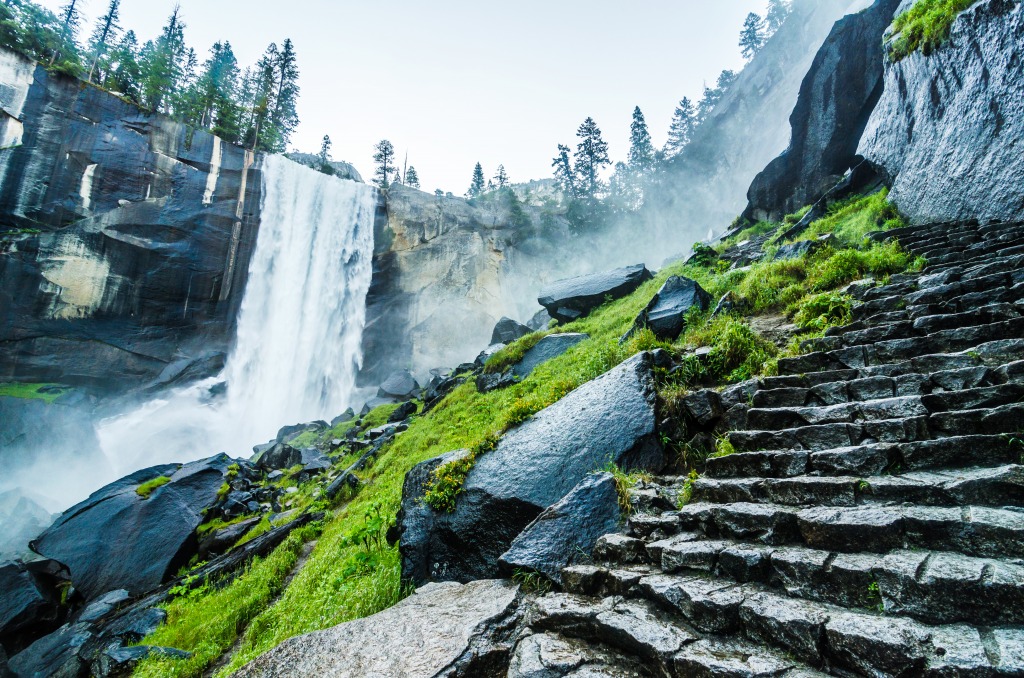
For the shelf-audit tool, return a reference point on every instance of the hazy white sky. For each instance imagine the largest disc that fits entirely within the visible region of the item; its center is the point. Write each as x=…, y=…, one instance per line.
x=453, y=82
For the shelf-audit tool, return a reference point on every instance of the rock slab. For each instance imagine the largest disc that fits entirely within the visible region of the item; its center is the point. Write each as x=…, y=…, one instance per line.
x=444, y=629
x=567, y=300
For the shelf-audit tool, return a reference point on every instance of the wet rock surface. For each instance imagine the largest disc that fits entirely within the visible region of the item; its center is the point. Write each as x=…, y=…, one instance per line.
x=442, y=630
x=567, y=300
x=610, y=419
x=954, y=109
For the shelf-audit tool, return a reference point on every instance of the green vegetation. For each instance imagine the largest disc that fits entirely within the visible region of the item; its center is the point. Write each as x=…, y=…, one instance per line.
x=925, y=26
x=849, y=221
x=625, y=481
x=47, y=392
x=352, y=572
x=254, y=107
x=147, y=488
x=513, y=353
x=209, y=624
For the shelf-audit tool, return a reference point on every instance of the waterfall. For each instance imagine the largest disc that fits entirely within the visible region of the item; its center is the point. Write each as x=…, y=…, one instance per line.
x=299, y=329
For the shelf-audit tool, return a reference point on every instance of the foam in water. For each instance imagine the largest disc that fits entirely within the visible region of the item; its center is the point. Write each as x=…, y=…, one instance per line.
x=299, y=334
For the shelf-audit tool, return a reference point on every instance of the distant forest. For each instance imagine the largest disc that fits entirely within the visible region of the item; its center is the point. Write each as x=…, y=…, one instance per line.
x=255, y=107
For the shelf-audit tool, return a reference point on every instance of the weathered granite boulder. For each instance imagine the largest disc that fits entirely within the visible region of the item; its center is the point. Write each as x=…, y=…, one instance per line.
x=442, y=630
x=608, y=420
x=836, y=98
x=947, y=132
x=61, y=654
x=507, y=331
x=279, y=457
x=399, y=385
x=666, y=314
x=30, y=603
x=118, y=539
x=131, y=235
x=567, y=300
x=567, y=530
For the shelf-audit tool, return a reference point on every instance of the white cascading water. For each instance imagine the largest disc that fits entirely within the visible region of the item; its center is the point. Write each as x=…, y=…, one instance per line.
x=299, y=331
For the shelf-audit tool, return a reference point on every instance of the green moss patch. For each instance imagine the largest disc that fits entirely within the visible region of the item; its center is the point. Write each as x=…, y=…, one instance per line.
x=925, y=26
x=147, y=488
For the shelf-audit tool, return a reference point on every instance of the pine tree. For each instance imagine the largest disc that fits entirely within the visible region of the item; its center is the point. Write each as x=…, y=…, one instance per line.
x=501, y=178
x=641, y=149
x=684, y=122
x=752, y=37
x=102, y=36
x=591, y=157
x=218, y=93
x=385, y=159
x=127, y=74
x=283, y=117
x=162, y=64
x=412, y=178
x=778, y=12
x=565, y=178
x=476, y=187
x=260, y=101
x=323, y=158
x=71, y=20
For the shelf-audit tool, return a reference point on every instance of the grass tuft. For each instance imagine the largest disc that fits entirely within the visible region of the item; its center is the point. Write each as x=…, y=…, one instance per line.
x=925, y=26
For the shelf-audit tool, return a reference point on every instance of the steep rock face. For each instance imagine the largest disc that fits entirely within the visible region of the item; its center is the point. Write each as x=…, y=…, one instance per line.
x=836, y=98
x=947, y=131
x=127, y=237
x=445, y=271
x=709, y=180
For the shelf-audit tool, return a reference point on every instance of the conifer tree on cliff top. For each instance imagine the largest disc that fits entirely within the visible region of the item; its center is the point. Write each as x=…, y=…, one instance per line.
x=753, y=36
x=641, y=149
x=412, y=178
x=684, y=120
x=385, y=159
x=476, y=187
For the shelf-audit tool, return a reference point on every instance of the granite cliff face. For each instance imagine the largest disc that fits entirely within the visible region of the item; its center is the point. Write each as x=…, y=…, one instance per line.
x=947, y=132
x=836, y=98
x=126, y=239
x=446, y=270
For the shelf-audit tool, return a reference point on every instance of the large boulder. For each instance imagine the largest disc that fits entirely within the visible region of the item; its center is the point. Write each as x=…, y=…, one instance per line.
x=666, y=314
x=442, y=630
x=507, y=330
x=567, y=300
x=119, y=539
x=836, y=98
x=29, y=599
x=947, y=132
x=567, y=531
x=399, y=385
x=61, y=654
x=278, y=457
x=608, y=420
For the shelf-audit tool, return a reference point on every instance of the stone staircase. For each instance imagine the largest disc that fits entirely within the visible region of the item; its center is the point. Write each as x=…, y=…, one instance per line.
x=871, y=520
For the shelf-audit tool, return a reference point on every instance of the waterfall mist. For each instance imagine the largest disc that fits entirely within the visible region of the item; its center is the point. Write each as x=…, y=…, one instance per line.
x=299, y=330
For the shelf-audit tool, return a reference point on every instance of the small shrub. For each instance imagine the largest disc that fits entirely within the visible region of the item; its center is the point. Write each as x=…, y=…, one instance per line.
x=531, y=582
x=687, y=494
x=625, y=481
x=724, y=448
x=821, y=311
x=513, y=353
x=147, y=488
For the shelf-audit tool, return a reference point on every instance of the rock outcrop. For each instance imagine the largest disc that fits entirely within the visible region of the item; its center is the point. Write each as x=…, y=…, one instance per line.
x=445, y=270
x=608, y=420
x=450, y=630
x=836, y=98
x=947, y=132
x=128, y=235
x=134, y=536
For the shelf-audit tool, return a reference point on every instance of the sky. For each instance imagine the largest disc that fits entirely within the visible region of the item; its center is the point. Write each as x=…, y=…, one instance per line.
x=455, y=82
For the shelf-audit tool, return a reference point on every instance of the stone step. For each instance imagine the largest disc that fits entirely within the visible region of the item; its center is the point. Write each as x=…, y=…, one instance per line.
x=635, y=626
x=829, y=436
x=987, y=486
x=950, y=298
x=970, y=530
x=984, y=345
x=919, y=321
x=885, y=350
x=855, y=641
x=779, y=418
x=872, y=459
x=872, y=400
